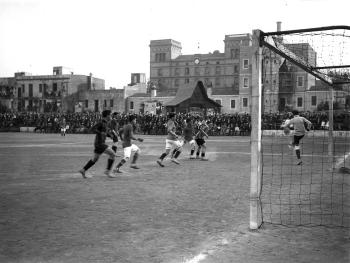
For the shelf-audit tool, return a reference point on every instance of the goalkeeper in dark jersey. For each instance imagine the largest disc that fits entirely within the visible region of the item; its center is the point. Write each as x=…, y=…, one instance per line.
x=127, y=135
x=101, y=130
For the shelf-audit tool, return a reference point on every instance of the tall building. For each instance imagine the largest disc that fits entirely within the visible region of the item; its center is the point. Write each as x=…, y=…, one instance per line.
x=226, y=76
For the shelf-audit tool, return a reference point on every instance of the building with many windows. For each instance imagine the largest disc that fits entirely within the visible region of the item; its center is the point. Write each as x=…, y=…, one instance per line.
x=46, y=93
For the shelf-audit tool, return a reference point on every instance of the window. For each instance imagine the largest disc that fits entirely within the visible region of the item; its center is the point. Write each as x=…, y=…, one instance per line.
x=313, y=100
x=160, y=72
x=176, y=82
x=245, y=82
x=86, y=103
x=235, y=68
x=187, y=71
x=218, y=101
x=245, y=63
x=300, y=102
x=245, y=102
x=207, y=71
x=187, y=81
x=111, y=103
x=131, y=105
x=54, y=86
x=105, y=103
x=234, y=53
x=40, y=88
x=160, y=57
x=30, y=87
x=217, y=82
x=233, y=104
x=217, y=70
x=300, y=81
x=177, y=72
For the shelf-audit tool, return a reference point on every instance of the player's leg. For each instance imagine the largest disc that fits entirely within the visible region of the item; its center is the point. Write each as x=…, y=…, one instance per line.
x=136, y=150
x=110, y=161
x=297, y=148
x=89, y=164
x=127, y=154
x=204, y=148
x=178, y=150
x=199, y=144
x=168, y=146
x=193, y=148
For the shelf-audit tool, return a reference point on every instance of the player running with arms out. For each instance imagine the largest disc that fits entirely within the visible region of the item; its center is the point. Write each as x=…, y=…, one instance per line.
x=202, y=127
x=101, y=130
x=114, y=128
x=171, y=141
x=188, y=136
x=301, y=126
x=127, y=135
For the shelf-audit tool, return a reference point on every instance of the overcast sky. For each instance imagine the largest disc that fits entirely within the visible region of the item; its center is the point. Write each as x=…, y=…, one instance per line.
x=111, y=38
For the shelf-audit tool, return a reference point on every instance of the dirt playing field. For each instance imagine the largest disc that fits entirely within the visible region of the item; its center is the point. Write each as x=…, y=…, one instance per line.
x=193, y=212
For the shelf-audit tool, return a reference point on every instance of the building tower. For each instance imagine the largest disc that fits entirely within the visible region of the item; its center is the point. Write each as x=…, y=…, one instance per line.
x=162, y=52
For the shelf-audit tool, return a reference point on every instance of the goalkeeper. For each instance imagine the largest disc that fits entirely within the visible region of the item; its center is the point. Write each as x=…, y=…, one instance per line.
x=126, y=134
x=301, y=126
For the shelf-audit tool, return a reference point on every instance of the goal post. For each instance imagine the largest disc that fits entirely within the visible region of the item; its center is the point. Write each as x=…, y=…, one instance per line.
x=315, y=194
x=256, y=167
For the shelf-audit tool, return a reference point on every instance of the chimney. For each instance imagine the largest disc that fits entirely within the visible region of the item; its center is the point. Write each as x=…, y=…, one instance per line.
x=153, y=91
x=279, y=23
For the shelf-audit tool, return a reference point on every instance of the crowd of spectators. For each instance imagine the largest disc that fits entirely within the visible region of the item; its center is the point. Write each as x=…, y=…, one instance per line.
x=219, y=124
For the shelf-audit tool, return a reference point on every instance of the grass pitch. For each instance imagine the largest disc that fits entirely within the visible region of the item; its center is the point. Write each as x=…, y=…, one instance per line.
x=194, y=212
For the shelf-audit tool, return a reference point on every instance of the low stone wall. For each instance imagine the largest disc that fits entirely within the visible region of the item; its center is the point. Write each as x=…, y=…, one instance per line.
x=26, y=129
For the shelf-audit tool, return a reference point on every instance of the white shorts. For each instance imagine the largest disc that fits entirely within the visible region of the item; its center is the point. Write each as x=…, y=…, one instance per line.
x=130, y=149
x=171, y=143
x=63, y=129
x=191, y=142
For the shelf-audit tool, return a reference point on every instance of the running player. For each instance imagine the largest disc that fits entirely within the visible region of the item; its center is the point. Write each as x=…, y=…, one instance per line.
x=171, y=141
x=188, y=136
x=301, y=126
x=202, y=129
x=101, y=130
x=114, y=128
x=126, y=134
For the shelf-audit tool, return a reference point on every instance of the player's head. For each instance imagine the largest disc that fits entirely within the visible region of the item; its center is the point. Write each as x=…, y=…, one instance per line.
x=295, y=112
x=115, y=114
x=171, y=115
x=106, y=114
x=132, y=118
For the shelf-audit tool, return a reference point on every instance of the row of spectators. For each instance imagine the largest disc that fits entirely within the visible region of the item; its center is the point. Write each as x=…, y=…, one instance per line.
x=219, y=124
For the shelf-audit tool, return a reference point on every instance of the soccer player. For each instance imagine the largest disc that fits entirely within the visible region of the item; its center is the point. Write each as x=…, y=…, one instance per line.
x=126, y=134
x=171, y=141
x=188, y=136
x=301, y=126
x=114, y=128
x=101, y=130
x=202, y=127
x=63, y=126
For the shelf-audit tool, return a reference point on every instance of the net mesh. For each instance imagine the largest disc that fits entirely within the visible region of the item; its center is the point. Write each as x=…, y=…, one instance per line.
x=299, y=70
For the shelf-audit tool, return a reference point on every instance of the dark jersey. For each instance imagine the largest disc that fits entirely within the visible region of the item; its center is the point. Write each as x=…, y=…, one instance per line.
x=100, y=129
x=188, y=133
x=126, y=134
